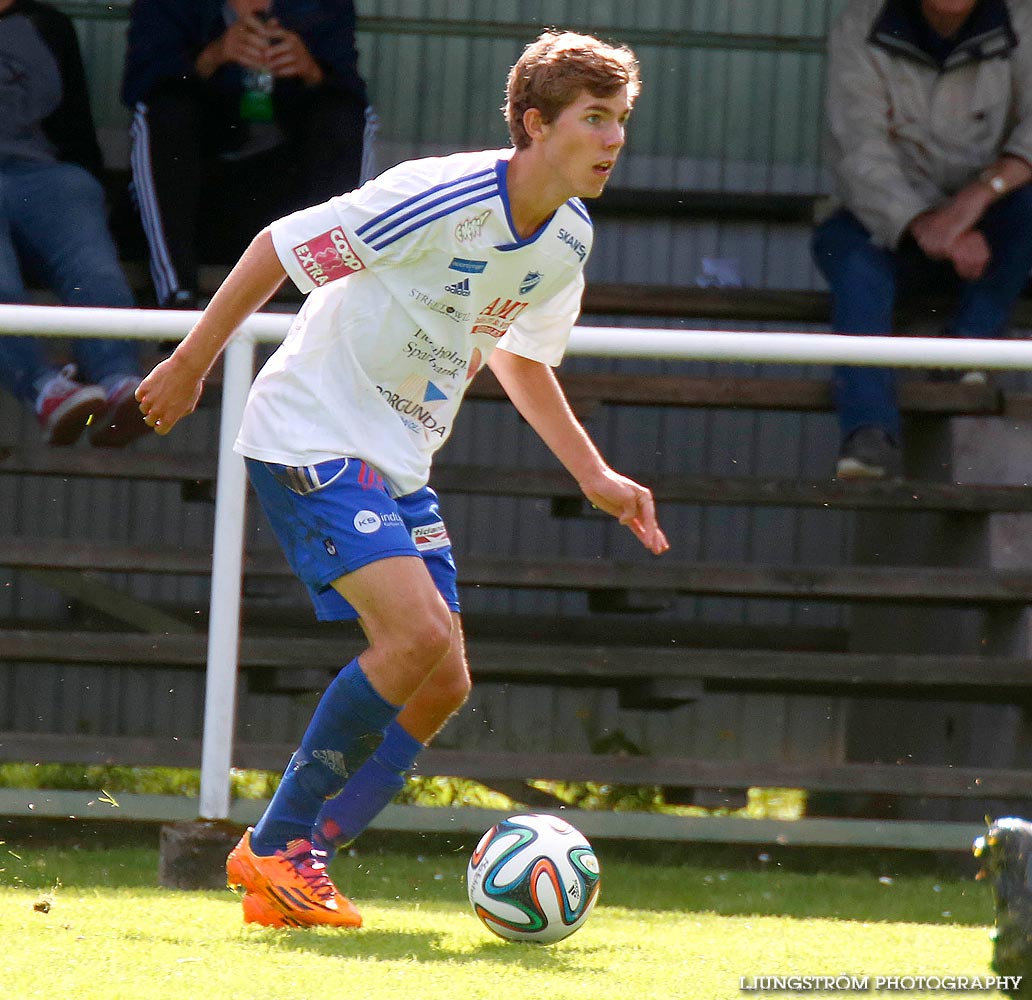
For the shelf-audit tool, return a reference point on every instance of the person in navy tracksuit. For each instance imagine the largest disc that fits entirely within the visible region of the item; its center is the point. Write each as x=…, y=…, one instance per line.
x=208, y=169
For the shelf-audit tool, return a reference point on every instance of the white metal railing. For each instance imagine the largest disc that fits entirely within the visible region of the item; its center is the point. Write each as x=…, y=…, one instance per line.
x=614, y=342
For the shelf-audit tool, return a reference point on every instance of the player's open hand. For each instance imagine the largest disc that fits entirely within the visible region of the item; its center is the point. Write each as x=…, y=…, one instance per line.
x=169, y=393
x=632, y=505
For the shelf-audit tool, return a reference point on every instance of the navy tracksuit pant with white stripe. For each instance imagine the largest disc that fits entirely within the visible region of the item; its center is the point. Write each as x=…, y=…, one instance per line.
x=206, y=182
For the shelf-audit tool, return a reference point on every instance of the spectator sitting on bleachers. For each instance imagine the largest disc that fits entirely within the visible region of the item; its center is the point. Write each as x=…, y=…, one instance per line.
x=239, y=118
x=53, y=225
x=929, y=114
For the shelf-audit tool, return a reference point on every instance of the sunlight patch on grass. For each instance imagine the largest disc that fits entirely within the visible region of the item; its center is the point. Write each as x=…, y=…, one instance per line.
x=660, y=931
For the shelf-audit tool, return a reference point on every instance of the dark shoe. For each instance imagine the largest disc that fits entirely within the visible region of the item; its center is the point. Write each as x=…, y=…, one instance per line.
x=64, y=407
x=869, y=453
x=122, y=421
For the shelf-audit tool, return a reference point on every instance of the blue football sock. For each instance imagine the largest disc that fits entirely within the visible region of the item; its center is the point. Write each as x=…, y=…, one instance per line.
x=373, y=785
x=346, y=727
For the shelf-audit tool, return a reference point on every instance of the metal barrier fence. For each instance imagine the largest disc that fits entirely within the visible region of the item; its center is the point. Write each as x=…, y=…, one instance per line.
x=238, y=371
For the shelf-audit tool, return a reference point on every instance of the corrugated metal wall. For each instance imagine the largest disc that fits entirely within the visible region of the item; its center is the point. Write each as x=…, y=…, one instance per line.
x=731, y=102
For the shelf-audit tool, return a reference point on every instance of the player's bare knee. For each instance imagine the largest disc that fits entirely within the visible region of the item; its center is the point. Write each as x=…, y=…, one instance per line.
x=436, y=633
x=424, y=639
x=453, y=689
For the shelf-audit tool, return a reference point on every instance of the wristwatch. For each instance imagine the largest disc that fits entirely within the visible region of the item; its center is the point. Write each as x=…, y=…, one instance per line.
x=995, y=182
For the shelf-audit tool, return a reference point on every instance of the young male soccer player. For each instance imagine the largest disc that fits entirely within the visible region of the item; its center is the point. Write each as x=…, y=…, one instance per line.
x=416, y=279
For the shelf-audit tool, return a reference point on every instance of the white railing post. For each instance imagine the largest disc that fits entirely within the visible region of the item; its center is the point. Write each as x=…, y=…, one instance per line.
x=226, y=580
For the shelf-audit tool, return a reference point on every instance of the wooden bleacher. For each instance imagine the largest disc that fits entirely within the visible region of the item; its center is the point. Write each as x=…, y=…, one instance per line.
x=662, y=675
x=665, y=673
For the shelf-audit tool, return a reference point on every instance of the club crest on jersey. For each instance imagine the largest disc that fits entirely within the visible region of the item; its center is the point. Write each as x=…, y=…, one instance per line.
x=459, y=288
x=496, y=318
x=530, y=280
x=327, y=257
x=471, y=228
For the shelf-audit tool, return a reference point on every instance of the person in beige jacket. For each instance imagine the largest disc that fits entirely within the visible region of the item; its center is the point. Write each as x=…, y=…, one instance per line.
x=929, y=141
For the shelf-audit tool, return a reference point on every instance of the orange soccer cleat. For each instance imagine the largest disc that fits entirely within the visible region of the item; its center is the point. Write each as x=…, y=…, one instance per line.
x=293, y=883
x=258, y=911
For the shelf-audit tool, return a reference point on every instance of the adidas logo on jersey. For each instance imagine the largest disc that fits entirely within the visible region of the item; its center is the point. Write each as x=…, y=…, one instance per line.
x=459, y=288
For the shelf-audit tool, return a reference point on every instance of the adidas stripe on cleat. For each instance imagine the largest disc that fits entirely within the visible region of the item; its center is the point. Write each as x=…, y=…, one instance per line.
x=258, y=911
x=292, y=882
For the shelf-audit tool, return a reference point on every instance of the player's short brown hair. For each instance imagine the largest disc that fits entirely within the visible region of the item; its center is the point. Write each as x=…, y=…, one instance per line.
x=556, y=67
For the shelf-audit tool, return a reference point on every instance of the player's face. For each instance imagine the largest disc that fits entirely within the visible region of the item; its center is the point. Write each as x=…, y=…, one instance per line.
x=584, y=141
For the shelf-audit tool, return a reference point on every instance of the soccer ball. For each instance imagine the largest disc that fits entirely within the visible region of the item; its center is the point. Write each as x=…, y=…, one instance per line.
x=533, y=878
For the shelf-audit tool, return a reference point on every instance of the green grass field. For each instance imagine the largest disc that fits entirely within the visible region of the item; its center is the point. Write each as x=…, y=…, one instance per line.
x=91, y=924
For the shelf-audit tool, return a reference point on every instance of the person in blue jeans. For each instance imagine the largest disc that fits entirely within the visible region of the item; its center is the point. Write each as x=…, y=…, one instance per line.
x=929, y=115
x=53, y=228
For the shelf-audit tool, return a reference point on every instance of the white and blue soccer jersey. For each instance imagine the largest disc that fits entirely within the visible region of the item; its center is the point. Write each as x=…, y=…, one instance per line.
x=413, y=280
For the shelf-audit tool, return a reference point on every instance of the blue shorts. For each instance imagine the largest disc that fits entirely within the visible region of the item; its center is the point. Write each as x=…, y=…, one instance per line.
x=335, y=517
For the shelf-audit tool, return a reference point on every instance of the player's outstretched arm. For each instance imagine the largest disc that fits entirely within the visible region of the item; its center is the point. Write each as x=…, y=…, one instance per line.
x=536, y=393
x=171, y=391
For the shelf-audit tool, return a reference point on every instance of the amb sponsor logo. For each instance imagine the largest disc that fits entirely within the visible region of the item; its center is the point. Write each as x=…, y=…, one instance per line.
x=327, y=257
x=494, y=319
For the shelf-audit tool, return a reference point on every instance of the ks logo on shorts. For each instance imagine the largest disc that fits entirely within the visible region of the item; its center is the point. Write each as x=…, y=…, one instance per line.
x=328, y=257
x=368, y=521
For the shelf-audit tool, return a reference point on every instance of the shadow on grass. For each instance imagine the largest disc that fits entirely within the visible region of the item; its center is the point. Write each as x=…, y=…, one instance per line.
x=427, y=946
